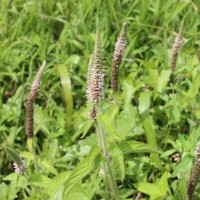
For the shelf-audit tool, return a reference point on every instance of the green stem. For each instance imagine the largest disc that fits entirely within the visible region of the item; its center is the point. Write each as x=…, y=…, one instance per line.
x=109, y=170
x=32, y=150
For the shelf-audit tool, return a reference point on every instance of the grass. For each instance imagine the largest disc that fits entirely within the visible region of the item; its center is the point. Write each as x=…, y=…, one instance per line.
x=66, y=164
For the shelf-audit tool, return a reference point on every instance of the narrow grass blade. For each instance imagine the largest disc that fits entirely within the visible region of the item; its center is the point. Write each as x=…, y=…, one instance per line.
x=67, y=93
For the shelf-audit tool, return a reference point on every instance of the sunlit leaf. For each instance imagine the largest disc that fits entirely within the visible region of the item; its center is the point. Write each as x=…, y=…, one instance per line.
x=155, y=190
x=132, y=146
x=108, y=126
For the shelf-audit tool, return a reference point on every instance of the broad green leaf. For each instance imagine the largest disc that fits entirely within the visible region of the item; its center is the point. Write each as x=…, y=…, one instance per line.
x=67, y=93
x=58, y=180
x=144, y=101
x=12, y=177
x=132, y=146
x=120, y=165
x=154, y=190
x=81, y=170
x=128, y=117
x=195, y=87
x=108, y=126
x=94, y=157
x=152, y=78
x=85, y=127
x=26, y=154
x=3, y=191
x=163, y=80
x=48, y=166
x=183, y=168
x=78, y=193
x=41, y=181
x=128, y=91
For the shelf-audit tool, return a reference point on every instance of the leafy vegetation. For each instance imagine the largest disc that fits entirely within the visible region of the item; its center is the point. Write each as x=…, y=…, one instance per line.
x=150, y=125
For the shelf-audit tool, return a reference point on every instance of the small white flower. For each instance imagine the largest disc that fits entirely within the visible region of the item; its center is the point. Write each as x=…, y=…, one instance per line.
x=20, y=169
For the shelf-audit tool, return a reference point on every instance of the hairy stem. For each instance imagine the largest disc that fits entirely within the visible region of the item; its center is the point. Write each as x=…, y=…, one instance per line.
x=108, y=168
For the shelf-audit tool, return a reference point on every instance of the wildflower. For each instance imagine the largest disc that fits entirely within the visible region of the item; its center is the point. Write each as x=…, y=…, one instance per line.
x=34, y=92
x=176, y=47
x=20, y=169
x=117, y=57
x=95, y=89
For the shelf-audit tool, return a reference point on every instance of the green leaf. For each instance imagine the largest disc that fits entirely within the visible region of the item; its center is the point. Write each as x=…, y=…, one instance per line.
x=78, y=193
x=147, y=123
x=154, y=190
x=128, y=91
x=26, y=154
x=183, y=168
x=48, y=166
x=67, y=93
x=3, y=191
x=108, y=125
x=94, y=157
x=14, y=156
x=12, y=177
x=132, y=146
x=195, y=86
x=41, y=181
x=144, y=101
x=152, y=78
x=119, y=162
x=81, y=170
x=163, y=80
x=128, y=117
x=83, y=129
x=58, y=180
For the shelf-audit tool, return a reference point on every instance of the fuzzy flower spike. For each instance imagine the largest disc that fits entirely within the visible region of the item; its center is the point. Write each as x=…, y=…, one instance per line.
x=117, y=57
x=176, y=47
x=95, y=89
x=195, y=174
x=35, y=88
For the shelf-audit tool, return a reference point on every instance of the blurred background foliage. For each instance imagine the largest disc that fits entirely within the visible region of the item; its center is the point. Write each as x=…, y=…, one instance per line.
x=63, y=33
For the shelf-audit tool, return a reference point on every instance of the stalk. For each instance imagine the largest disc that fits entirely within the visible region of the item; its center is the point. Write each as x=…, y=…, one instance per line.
x=95, y=94
x=108, y=170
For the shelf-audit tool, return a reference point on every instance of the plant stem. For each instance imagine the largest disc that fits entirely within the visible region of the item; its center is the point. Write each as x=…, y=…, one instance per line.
x=107, y=169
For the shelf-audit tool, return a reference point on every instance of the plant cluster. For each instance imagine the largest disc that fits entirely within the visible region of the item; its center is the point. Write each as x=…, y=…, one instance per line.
x=124, y=125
